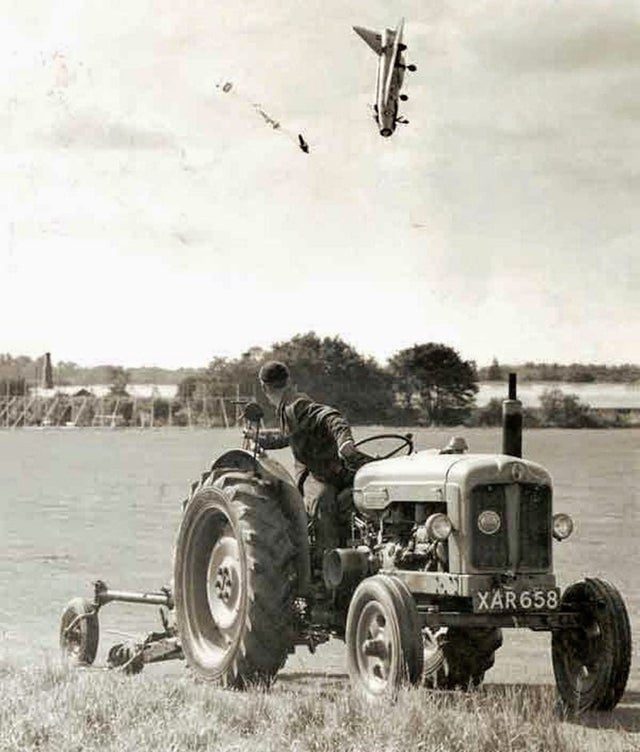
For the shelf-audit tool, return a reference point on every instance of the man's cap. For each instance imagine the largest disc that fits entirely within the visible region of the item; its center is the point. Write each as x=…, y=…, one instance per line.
x=274, y=373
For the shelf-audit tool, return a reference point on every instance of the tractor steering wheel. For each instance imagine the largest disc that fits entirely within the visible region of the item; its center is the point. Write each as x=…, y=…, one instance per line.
x=406, y=442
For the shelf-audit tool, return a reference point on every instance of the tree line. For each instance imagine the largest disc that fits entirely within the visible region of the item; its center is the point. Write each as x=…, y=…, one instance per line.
x=23, y=371
x=557, y=409
x=426, y=384
x=573, y=373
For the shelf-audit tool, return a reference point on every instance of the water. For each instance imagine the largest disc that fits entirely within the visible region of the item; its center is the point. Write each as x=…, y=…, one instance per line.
x=78, y=505
x=600, y=394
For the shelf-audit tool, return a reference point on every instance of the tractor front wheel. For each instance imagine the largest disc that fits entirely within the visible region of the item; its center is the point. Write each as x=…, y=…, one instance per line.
x=384, y=644
x=591, y=663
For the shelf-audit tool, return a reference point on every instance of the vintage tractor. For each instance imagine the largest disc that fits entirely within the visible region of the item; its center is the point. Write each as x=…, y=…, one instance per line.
x=446, y=549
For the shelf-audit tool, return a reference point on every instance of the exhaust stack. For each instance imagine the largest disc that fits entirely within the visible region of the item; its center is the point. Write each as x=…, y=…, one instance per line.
x=512, y=421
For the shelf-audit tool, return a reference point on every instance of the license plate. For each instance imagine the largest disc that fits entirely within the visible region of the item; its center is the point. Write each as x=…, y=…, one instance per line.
x=505, y=599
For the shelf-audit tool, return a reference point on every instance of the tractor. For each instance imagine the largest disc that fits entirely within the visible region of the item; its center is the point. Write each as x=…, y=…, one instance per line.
x=446, y=549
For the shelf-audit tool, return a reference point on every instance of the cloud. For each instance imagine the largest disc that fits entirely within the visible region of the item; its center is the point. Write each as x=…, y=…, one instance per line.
x=90, y=132
x=628, y=110
x=504, y=132
x=562, y=36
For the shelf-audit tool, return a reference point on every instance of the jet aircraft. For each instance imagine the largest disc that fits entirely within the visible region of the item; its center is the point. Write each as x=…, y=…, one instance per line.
x=391, y=67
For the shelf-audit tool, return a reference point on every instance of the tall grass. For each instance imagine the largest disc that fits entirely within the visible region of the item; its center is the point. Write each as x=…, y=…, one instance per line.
x=52, y=707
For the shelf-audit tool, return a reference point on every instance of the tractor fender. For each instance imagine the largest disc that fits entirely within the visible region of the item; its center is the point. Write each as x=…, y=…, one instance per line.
x=289, y=496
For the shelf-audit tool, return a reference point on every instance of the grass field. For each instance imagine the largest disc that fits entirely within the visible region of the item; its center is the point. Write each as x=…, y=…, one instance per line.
x=79, y=505
x=50, y=708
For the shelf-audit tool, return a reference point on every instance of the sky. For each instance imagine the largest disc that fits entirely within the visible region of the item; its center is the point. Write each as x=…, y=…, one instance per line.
x=148, y=218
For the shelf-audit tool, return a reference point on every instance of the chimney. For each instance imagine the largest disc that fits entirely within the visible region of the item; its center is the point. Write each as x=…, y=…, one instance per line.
x=47, y=380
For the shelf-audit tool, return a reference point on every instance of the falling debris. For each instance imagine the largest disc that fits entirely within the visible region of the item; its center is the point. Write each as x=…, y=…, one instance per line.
x=267, y=119
x=228, y=87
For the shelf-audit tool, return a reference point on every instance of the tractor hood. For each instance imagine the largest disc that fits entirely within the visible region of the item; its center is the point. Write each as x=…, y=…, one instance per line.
x=423, y=476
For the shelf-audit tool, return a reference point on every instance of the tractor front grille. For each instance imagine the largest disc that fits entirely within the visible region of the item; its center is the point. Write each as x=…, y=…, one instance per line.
x=489, y=551
x=523, y=541
x=535, y=527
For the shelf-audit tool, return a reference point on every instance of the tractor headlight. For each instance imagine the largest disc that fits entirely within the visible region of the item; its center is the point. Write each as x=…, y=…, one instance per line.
x=489, y=522
x=438, y=526
x=562, y=526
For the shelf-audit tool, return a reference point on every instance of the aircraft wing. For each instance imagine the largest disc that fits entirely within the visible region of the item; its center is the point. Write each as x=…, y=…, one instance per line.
x=372, y=38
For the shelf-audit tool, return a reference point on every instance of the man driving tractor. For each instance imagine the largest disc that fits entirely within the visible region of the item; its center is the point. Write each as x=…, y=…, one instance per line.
x=326, y=457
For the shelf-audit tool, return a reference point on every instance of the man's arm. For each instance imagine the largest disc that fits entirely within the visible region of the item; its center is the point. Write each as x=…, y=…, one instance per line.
x=308, y=415
x=269, y=439
x=313, y=414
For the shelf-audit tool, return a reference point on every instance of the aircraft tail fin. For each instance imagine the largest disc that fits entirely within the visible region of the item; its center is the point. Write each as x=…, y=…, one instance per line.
x=372, y=38
x=398, y=33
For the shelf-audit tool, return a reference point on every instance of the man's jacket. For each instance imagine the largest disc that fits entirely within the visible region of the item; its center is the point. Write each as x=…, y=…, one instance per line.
x=314, y=432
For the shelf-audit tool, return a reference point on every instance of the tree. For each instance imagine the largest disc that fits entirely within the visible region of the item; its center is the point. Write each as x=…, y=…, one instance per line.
x=490, y=414
x=444, y=385
x=13, y=387
x=334, y=372
x=577, y=373
x=565, y=410
x=187, y=388
x=117, y=378
x=494, y=372
x=328, y=369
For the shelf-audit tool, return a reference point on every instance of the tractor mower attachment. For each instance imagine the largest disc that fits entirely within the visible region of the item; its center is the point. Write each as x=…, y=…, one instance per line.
x=80, y=631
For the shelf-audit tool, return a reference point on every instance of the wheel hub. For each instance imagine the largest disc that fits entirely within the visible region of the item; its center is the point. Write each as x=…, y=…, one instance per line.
x=582, y=655
x=224, y=580
x=373, y=646
x=72, y=636
x=223, y=583
x=74, y=640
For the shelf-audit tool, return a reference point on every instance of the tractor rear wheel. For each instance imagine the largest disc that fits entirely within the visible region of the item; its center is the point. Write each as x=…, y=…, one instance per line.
x=460, y=658
x=234, y=571
x=384, y=644
x=79, y=632
x=591, y=663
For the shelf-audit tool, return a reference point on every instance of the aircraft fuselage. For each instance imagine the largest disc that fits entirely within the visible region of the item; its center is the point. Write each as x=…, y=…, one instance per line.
x=389, y=48
x=388, y=85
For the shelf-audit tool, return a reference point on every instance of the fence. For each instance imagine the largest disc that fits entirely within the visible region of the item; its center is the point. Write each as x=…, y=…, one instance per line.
x=86, y=411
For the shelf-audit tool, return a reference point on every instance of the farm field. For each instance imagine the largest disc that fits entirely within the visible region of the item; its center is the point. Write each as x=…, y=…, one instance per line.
x=78, y=505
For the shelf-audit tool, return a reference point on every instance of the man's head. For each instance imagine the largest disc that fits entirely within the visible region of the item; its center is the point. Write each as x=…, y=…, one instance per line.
x=274, y=377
